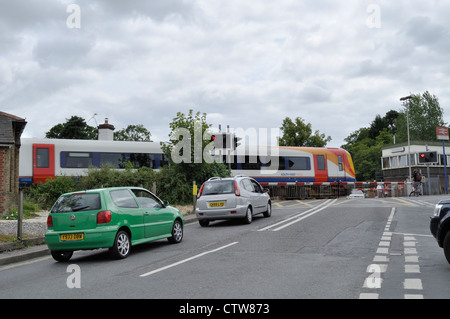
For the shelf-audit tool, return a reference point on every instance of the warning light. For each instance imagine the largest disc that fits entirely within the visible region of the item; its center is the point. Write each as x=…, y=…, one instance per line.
x=428, y=157
x=213, y=138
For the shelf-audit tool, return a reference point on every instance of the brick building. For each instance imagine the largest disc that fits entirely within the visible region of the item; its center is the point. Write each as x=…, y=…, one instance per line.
x=11, y=128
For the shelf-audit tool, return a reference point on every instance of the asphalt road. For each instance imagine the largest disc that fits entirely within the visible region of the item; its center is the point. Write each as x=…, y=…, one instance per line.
x=314, y=249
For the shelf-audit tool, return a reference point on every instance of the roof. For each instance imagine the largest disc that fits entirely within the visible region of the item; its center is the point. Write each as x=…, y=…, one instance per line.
x=11, y=128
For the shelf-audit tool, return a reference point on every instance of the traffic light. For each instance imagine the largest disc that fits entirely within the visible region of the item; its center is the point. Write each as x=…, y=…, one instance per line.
x=428, y=157
x=236, y=142
x=227, y=141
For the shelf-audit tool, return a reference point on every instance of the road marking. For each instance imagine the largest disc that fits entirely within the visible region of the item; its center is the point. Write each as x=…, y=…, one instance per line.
x=404, y=201
x=381, y=260
x=296, y=218
x=28, y=262
x=186, y=260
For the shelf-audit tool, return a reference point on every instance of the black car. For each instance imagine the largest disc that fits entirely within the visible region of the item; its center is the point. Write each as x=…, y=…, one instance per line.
x=440, y=226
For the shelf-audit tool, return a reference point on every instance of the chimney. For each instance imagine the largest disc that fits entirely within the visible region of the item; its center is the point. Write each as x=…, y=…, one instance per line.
x=106, y=131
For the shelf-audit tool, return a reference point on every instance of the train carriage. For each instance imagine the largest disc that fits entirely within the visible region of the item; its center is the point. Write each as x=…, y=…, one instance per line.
x=41, y=159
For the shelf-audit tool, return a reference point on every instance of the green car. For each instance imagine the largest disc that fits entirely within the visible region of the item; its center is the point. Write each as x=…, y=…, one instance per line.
x=115, y=218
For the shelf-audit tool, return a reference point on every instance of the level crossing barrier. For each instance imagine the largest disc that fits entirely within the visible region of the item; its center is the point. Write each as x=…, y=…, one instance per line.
x=317, y=190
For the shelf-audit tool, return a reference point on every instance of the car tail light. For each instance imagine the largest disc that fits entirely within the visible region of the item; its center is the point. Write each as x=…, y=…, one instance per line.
x=49, y=221
x=200, y=191
x=103, y=217
x=237, y=192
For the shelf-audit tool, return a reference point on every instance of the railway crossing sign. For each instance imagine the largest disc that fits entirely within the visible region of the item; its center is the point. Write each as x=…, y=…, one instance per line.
x=442, y=133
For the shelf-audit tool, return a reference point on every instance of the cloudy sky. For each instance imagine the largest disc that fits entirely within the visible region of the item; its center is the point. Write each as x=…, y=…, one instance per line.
x=246, y=63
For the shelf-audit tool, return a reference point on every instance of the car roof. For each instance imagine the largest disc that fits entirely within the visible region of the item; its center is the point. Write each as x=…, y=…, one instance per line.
x=232, y=178
x=99, y=190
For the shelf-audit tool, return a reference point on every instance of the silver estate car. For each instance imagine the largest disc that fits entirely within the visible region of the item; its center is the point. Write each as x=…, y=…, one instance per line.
x=231, y=197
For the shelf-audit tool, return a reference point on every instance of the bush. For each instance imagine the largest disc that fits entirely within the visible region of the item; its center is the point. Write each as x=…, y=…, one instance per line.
x=47, y=193
x=171, y=182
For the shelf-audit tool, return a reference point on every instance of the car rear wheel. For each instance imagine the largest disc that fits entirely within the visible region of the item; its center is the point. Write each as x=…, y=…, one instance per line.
x=122, y=246
x=248, y=216
x=203, y=223
x=268, y=212
x=446, y=246
x=177, y=233
x=62, y=255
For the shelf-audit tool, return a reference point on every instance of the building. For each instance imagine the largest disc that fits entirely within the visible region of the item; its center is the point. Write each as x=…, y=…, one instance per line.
x=395, y=165
x=11, y=128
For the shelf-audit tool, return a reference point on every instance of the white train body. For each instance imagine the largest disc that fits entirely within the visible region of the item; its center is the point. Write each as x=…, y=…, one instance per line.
x=42, y=159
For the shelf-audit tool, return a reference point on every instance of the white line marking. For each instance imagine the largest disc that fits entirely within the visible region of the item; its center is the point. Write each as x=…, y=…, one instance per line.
x=296, y=216
x=186, y=260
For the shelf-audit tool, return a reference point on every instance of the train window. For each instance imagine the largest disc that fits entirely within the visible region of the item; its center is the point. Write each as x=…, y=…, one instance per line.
x=78, y=159
x=340, y=163
x=142, y=159
x=299, y=163
x=42, y=158
x=116, y=160
x=321, y=162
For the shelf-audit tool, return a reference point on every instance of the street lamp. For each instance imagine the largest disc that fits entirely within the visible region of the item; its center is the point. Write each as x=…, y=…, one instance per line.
x=404, y=99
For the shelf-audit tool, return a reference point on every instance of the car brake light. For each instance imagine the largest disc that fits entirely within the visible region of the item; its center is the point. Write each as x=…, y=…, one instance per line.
x=237, y=192
x=200, y=191
x=49, y=221
x=103, y=217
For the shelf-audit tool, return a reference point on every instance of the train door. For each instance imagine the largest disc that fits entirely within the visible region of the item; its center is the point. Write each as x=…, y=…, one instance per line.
x=320, y=168
x=43, y=162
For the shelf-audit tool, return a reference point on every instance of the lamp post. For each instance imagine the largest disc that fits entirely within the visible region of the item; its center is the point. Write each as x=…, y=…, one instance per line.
x=404, y=99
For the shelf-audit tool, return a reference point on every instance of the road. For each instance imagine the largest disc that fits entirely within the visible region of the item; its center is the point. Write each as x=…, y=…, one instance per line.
x=336, y=248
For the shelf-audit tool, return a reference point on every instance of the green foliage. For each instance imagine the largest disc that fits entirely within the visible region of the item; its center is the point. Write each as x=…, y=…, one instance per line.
x=137, y=133
x=191, y=131
x=47, y=193
x=425, y=114
x=74, y=128
x=366, y=144
x=299, y=133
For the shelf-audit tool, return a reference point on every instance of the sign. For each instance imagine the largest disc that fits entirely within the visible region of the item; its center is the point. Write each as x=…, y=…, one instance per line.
x=442, y=133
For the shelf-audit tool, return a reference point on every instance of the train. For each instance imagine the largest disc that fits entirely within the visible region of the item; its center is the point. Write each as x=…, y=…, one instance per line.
x=42, y=159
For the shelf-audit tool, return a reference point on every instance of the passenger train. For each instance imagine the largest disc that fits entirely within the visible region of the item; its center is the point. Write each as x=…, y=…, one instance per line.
x=42, y=159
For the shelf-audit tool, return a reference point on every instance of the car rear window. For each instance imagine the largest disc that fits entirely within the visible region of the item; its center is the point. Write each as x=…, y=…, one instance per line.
x=77, y=203
x=218, y=187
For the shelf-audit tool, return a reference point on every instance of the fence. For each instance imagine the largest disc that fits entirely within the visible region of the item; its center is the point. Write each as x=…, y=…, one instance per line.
x=337, y=189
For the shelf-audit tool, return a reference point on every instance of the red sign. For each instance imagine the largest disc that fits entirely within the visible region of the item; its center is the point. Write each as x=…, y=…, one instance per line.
x=442, y=133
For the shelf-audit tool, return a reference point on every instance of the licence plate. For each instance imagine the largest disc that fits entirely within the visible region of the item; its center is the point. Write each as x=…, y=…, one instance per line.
x=77, y=236
x=217, y=204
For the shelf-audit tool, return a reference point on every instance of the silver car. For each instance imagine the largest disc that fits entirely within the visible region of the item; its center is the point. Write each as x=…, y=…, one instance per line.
x=232, y=197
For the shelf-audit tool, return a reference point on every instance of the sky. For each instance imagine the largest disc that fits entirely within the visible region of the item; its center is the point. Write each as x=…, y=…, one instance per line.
x=247, y=64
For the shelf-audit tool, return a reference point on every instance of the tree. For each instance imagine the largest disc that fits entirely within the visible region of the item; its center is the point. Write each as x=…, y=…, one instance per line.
x=136, y=133
x=74, y=128
x=299, y=133
x=366, y=144
x=425, y=114
x=188, y=150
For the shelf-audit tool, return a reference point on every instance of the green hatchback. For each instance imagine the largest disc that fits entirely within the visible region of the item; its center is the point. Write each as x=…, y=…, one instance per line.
x=115, y=218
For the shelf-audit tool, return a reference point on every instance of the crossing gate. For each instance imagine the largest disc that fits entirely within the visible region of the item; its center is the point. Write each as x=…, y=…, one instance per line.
x=317, y=190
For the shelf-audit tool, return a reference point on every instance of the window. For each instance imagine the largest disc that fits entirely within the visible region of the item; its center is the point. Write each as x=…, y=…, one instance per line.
x=42, y=158
x=146, y=199
x=123, y=199
x=340, y=163
x=77, y=203
x=321, y=162
x=78, y=159
x=300, y=163
x=218, y=187
x=256, y=186
x=116, y=160
x=248, y=185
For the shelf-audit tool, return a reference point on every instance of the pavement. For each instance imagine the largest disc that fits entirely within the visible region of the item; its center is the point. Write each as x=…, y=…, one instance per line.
x=34, y=248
